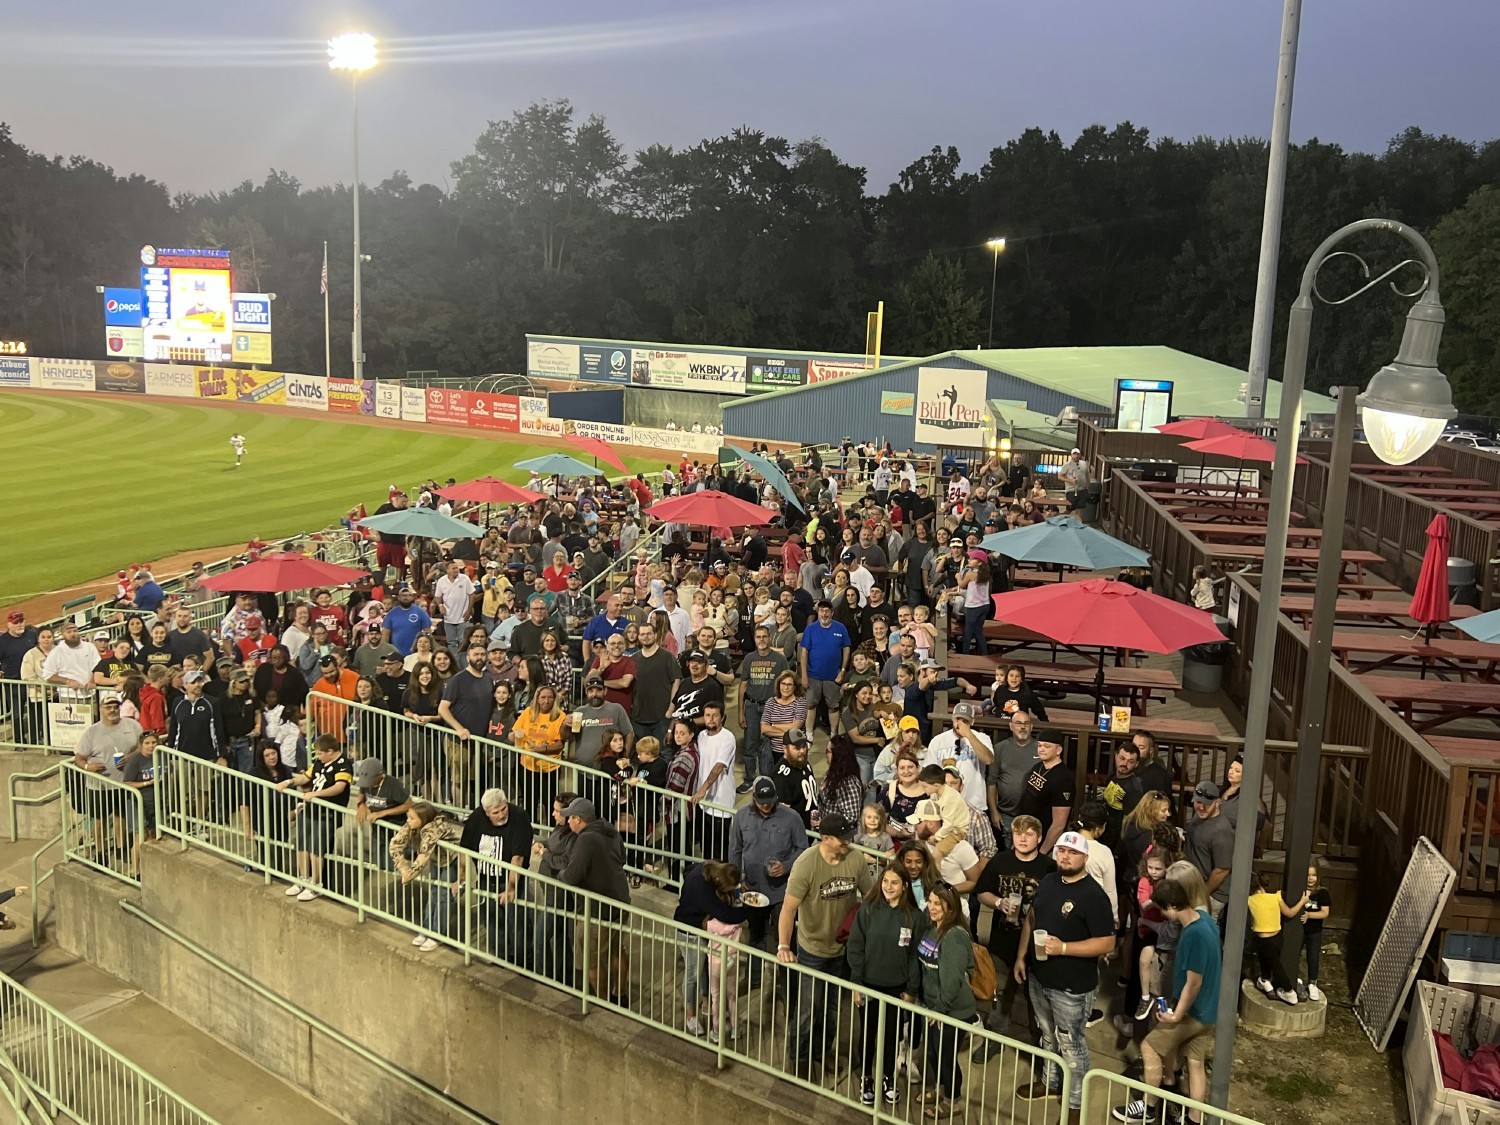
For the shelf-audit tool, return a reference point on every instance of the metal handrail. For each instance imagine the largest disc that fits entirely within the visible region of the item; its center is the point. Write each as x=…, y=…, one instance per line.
x=20, y=1094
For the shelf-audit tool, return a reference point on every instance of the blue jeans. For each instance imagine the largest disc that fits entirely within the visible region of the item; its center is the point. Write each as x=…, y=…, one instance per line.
x=755, y=748
x=866, y=764
x=455, y=634
x=1062, y=1018
x=240, y=755
x=439, y=906
x=554, y=940
x=974, y=618
x=506, y=929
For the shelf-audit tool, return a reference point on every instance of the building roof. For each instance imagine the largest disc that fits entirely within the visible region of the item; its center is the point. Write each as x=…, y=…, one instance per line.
x=1032, y=428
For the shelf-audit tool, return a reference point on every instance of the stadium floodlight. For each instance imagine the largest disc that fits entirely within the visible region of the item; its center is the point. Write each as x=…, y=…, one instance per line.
x=353, y=51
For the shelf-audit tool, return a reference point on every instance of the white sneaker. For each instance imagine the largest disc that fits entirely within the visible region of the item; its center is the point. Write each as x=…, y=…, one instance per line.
x=427, y=945
x=310, y=894
x=1265, y=986
x=418, y=940
x=694, y=1027
x=293, y=891
x=1314, y=992
x=1287, y=996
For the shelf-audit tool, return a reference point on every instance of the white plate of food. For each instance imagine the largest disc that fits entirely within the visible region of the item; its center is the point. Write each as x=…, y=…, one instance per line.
x=754, y=898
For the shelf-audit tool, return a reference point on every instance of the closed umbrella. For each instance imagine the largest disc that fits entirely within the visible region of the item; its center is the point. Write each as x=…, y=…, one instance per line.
x=1110, y=614
x=277, y=573
x=772, y=473
x=1066, y=541
x=1431, y=604
x=597, y=449
x=558, y=465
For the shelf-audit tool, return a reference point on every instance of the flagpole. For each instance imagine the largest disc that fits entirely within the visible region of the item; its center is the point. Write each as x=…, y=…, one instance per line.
x=327, y=329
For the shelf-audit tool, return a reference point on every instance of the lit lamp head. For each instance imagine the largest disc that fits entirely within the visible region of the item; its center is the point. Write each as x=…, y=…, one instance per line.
x=1408, y=402
x=354, y=51
x=996, y=244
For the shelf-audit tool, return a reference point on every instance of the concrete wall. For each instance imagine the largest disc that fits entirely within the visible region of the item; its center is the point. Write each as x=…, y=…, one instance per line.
x=36, y=822
x=510, y=1049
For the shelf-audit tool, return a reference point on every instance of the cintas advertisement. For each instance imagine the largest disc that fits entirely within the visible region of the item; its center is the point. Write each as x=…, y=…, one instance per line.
x=306, y=392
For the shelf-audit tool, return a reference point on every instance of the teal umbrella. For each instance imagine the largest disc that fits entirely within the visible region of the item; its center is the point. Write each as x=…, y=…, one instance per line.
x=426, y=522
x=772, y=474
x=558, y=465
x=1483, y=627
x=1062, y=539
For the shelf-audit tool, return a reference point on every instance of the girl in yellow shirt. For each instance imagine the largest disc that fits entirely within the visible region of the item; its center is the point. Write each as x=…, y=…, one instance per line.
x=539, y=730
x=1267, y=909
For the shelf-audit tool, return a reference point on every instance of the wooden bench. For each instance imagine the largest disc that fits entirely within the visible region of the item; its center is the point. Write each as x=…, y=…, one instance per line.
x=1250, y=533
x=1431, y=703
x=1306, y=557
x=1469, y=659
x=1394, y=612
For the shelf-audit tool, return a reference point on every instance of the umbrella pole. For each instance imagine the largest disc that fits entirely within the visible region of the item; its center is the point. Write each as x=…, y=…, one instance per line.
x=1099, y=685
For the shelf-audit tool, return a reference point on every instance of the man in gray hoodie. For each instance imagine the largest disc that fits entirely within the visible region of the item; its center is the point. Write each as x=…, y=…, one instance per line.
x=597, y=865
x=765, y=837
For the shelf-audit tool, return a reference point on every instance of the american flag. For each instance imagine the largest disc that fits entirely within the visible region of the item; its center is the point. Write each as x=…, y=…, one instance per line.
x=323, y=286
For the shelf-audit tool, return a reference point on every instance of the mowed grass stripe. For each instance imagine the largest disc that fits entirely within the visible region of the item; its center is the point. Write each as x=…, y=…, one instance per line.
x=97, y=484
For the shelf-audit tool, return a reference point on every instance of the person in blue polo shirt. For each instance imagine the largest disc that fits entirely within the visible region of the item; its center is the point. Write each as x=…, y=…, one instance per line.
x=405, y=621
x=824, y=652
x=602, y=625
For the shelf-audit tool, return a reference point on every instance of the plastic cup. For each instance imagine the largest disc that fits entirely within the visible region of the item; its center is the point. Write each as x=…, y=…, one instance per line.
x=1040, y=938
x=1014, y=898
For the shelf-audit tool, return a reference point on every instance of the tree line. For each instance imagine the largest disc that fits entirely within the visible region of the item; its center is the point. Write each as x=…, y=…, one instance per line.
x=755, y=240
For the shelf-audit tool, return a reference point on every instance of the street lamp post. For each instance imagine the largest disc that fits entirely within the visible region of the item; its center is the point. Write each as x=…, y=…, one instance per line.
x=1403, y=411
x=996, y=245
x=355, y=53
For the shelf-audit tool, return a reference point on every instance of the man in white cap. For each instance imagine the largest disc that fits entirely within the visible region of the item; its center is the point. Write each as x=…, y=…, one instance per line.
x=102, y=749
x=1074, y=475
x=961, y=866
x=71, y=661
x=1061, y=970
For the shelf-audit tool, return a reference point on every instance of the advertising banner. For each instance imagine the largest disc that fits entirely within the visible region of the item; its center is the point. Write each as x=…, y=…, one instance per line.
x=506, y=409
x=539, y=425
x=122, y=308
x=531, y=406
x=688, y=371
x=604, y=431
x=171, y=380
x=212, y=382
x=15, y=372
x=447, y=408
x=125, y=342
x=250, y=312
x=344, y=396
x=604, y=365
x=679, y=441
x=903, y=403
x=251, y=347
x=551, y=360
x=308, y=392
x=774, y=374
x=950, y=406
x=820, y=372
x=387, y=400
x=493, y=412
x=413, y=404
x=265, y=388
x=62, y=374
x=120, y=378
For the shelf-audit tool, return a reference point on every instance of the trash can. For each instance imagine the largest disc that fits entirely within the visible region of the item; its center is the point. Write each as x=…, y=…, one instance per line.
x=1203, y=665
x=1088, y=511
x=1461, y=573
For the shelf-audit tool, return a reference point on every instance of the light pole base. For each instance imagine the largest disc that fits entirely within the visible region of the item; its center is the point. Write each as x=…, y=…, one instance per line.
x=1269, y=1018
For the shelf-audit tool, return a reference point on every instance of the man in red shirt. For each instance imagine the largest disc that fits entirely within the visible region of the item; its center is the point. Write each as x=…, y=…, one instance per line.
x=793, y=555
x=256, y=644
x=641, y=490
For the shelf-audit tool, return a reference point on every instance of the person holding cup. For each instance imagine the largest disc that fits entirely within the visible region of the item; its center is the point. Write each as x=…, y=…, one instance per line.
x=1069, y=927
x=1007, y=885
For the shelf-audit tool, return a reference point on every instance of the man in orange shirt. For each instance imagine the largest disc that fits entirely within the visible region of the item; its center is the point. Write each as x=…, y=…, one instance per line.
x=329, y=717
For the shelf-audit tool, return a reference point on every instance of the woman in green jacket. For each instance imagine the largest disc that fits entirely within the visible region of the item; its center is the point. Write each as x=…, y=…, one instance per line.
x=882, y=953
x=946, y=954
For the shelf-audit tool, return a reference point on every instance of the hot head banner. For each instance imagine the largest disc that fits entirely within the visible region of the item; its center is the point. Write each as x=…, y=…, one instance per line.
x=688, y=371
x=306, y=392
x=414, y=404
x=950, y=406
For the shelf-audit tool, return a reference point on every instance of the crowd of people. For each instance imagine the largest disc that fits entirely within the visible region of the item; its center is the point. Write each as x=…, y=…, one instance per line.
x=659, y=711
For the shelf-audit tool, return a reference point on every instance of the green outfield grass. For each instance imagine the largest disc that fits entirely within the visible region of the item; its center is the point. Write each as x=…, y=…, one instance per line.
x=92, y=485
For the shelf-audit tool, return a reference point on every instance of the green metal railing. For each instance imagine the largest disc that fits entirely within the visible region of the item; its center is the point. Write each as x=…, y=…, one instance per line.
x=439, y=768
x=52, y=792
x=103, y=822
x=1105, y=1092
x=35, y=715
x=795, y=1023
x=75, y=1075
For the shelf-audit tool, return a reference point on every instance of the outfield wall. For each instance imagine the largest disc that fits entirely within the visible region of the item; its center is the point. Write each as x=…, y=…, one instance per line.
x=474, y=410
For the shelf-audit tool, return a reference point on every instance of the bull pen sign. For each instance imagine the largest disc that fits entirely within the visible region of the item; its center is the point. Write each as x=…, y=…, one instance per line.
x=950, y=406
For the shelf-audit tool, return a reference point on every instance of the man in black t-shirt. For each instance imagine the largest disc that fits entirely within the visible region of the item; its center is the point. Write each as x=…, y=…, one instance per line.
x=324, y=791
x=698, y=689
x=499, y=832
x=1062, y=974
x=796, y=788
x=1047, y=792
x=469, y=697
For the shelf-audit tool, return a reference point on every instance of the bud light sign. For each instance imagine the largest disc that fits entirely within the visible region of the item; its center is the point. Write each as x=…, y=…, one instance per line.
x=122, y=308
x=251, y=312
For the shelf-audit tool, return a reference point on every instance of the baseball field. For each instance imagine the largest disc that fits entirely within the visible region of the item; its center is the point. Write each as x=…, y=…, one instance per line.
x=94, y=483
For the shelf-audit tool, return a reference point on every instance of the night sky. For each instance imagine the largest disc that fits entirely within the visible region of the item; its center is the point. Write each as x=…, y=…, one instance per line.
x=204, y=95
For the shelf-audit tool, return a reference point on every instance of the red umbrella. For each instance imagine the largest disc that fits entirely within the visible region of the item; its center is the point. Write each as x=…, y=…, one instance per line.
x=1107, y=613
x=710, y=509
x=598, y=449
x=1198, y=428
x=1431, y=604
x=1240, y=445
x=492, y=490
x=280, y=572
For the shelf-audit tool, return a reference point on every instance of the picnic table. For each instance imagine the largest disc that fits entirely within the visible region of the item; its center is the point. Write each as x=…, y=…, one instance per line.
x=1469, y=659
x=1478, y=509
x=1394, y=612
x=1307, y=557
x=1382, y=469
x=1366, y=589
x=1431, y=703
x=1440, y=493
x=1078, y=720
x=1001, y=638
x=1209, y=488
x=1224, y=513
x=1138, y=686
x=1249, y=533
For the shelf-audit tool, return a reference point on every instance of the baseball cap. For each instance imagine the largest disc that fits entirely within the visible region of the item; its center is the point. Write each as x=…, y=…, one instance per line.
x=499, y=644
x=834, y=824
x=847, y=555
x=101, y=635
x=367, y=771
x=16, y=616
x=763, y=792
x=1205, y=791
x=963, y=711
x=328, y=658
x=392, y=658
x=1073, y=841
x=978, y=556
x=1051, y=735
x=253, y=620
x=794, y=737
x=928, y=810
x=697, y=654
x=955, y=542
x=196, y=676
x=582, y=807
x=928, y=664
x=110, y=697
x=120, y=574
x=593, y=679
x=909, y=722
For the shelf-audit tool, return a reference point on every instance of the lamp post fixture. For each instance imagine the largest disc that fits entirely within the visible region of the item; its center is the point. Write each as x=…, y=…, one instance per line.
x=355, y=52
x=996, y=245
x=1403, y=410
